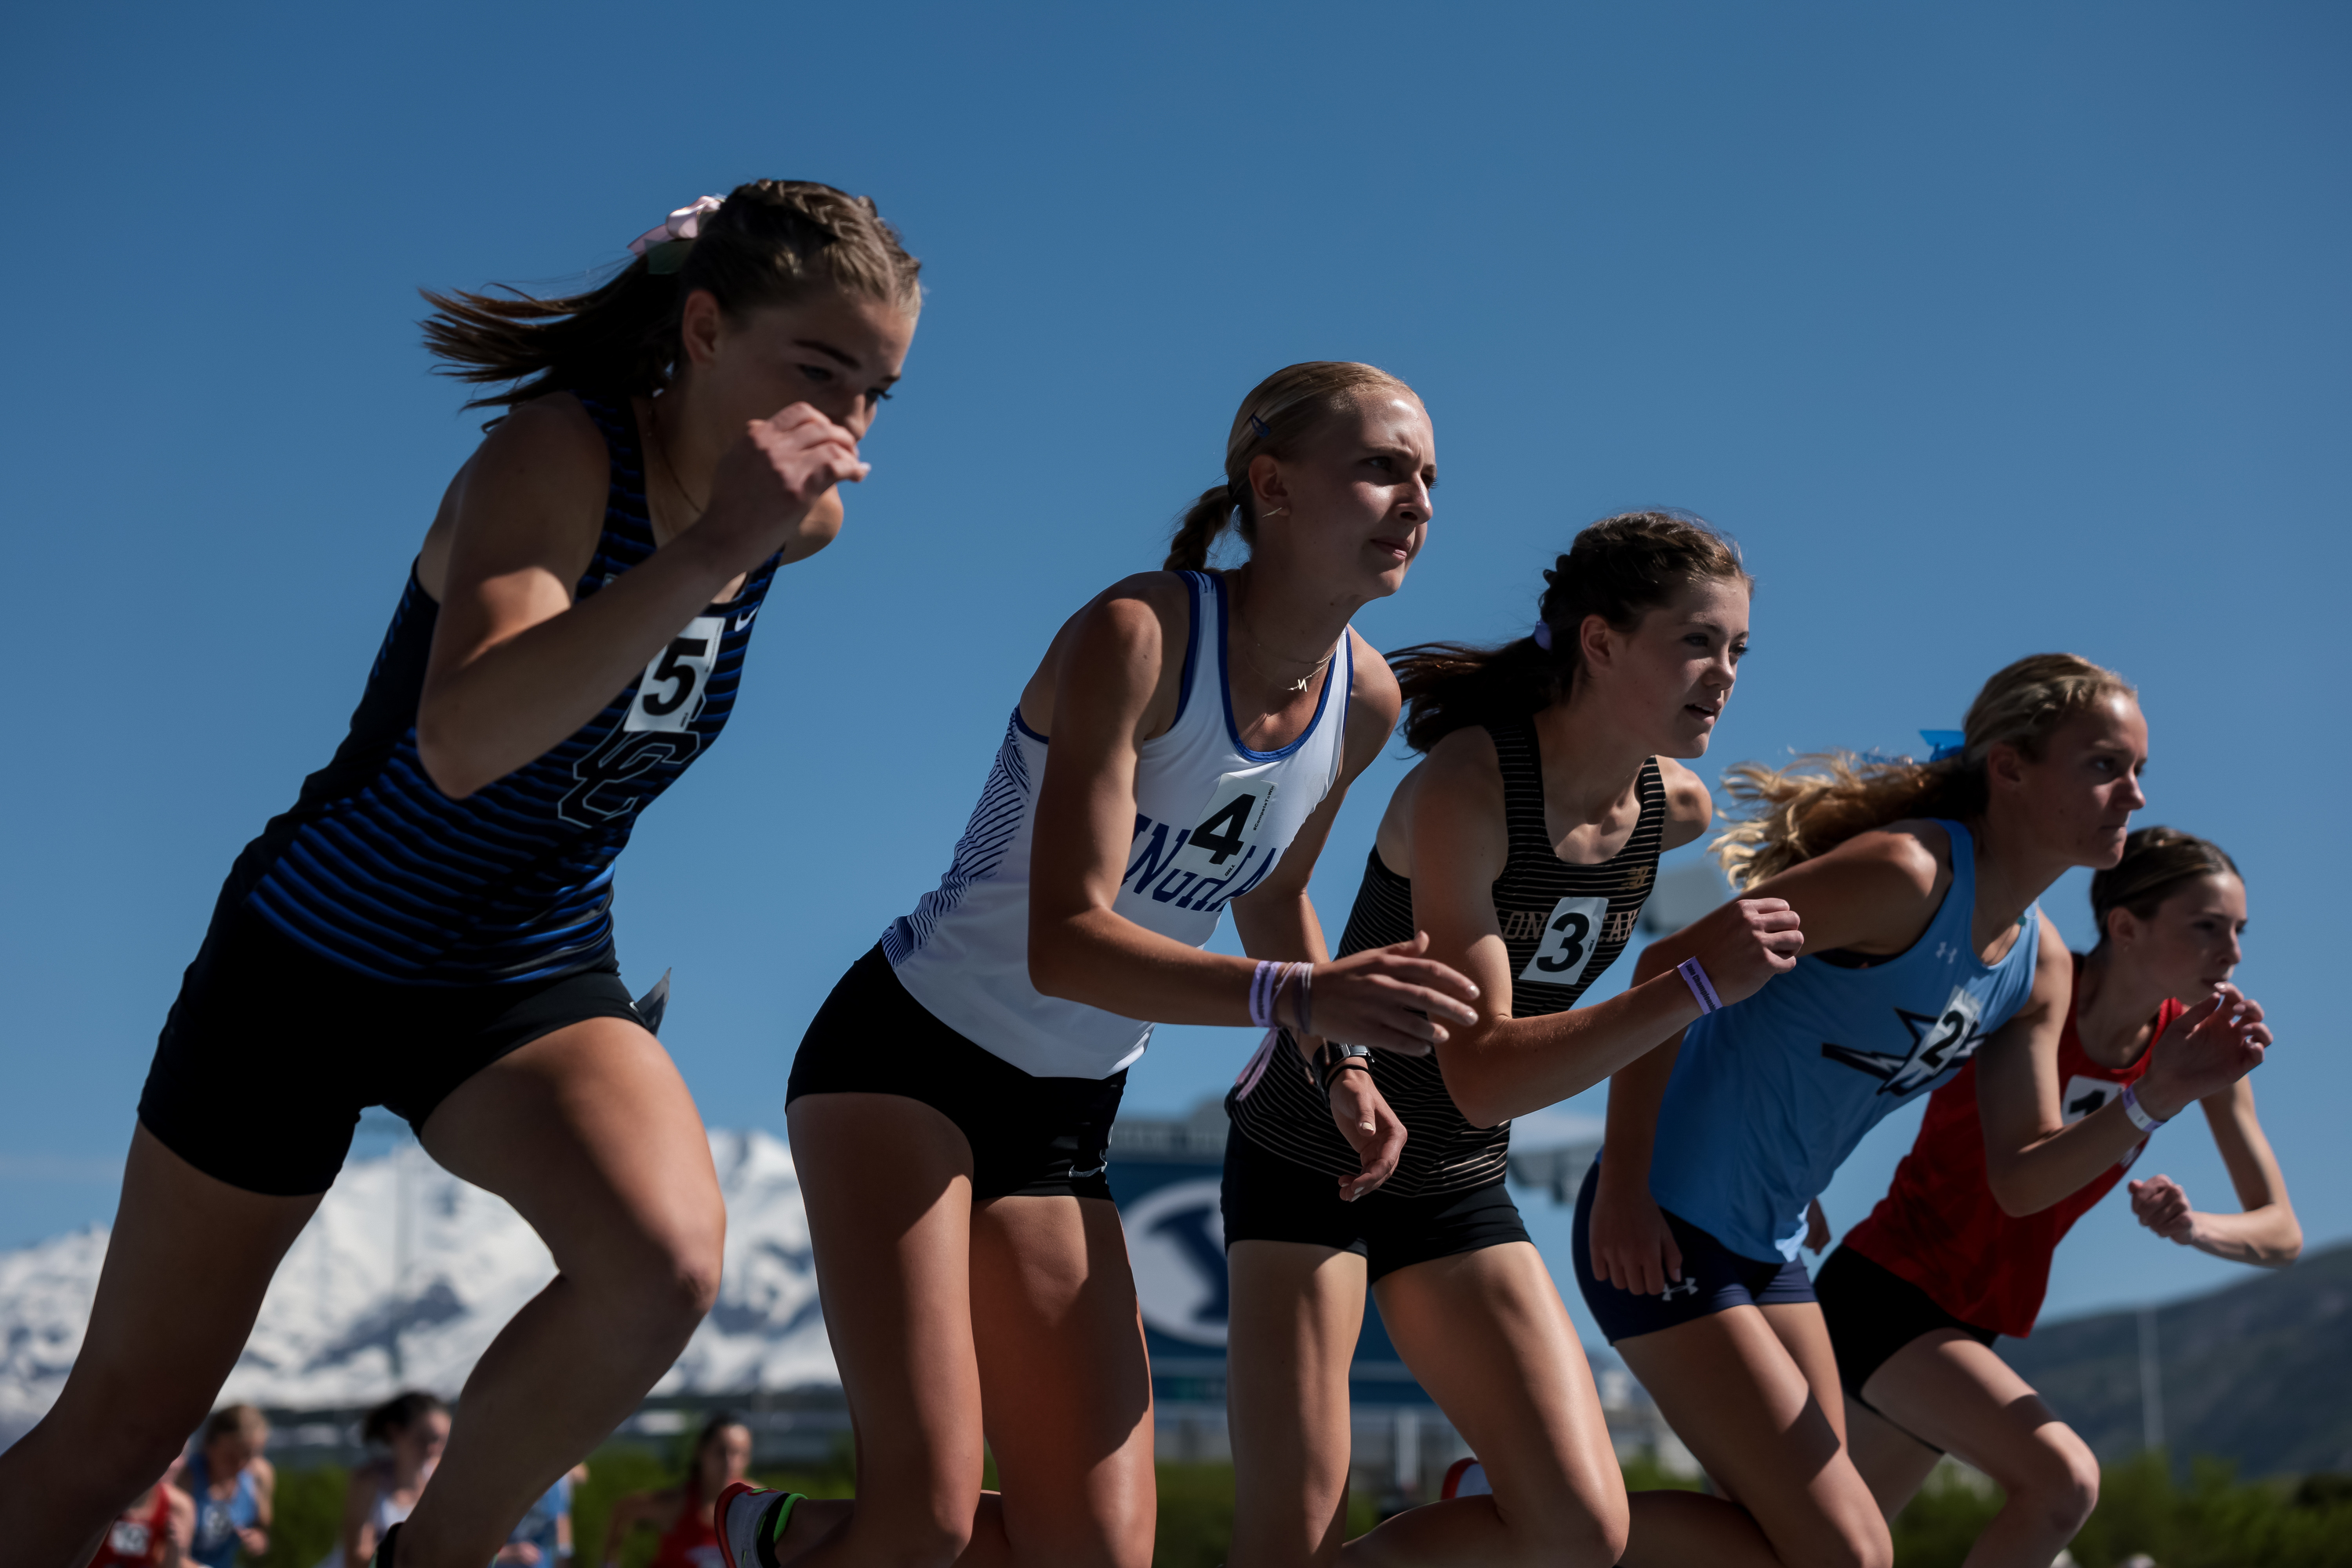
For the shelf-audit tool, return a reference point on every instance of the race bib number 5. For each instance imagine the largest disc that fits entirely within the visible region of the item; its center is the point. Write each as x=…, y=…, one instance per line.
x=670, y=692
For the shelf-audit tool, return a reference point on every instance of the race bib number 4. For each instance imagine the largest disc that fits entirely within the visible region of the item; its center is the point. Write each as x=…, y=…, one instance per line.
x=670, y=692
x=1572, y=932
x=1229, y=826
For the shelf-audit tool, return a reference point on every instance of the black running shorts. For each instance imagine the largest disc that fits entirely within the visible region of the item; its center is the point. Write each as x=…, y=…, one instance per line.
x=1874, y=1312
x=1714, y=1278
x=1030, y=1137
x=271, y=1051
x=1269, y=1198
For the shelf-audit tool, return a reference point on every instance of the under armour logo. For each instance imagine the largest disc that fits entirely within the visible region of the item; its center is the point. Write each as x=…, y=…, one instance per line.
x=1947, y=951
x=1687, y=1288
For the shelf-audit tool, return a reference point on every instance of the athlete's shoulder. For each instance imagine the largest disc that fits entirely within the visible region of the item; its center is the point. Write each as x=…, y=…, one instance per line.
x=1374, y=689
x=547, y=436
x=1689, y=806
x=1916, y=850
x=1463, y=772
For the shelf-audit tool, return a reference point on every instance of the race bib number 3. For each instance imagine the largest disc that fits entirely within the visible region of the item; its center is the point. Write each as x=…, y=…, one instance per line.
x=1571, y=933
x=1233, y=821
x=670, y=692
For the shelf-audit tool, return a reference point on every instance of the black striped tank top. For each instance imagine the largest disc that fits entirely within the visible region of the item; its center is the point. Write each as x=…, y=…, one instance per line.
x=376, y=869
x=1563, y=925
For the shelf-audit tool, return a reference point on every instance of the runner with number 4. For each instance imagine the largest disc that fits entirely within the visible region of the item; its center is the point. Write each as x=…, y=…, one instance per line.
x=1919, y=1291
x=430, y=927
x=1917, y=885
x=1525, y=845
x=951, y=1104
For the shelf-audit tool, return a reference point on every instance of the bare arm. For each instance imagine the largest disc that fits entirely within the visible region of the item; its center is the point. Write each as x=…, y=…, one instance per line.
x=180, y=1532
x=1276, y=919
x=357, y=1536
x=255, y=1536
x=517, y=666
x=2266, y=1232
x=1111, y=663
x=2033, y=1158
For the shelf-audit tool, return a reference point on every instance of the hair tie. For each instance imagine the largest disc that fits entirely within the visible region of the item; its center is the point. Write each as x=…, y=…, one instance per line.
x=664, y=244
x=1543, y=635
x=1259, y=426
x=1942, y=744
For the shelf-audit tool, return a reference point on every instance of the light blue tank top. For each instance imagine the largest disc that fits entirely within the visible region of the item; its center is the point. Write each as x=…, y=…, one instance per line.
x=1770, y=1095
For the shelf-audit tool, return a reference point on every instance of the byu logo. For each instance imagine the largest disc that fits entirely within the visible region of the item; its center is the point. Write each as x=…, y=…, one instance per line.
x=1938, y=1043
x=1176, y=1244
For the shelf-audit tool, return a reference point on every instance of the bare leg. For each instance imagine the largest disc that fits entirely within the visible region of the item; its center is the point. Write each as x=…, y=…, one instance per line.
x=1297, y=1311
x=888, y=1182
x=185, y=1270
x=591, y=1134
x=1754, y=1392
x=1960, y=1396
x=1485, y=1334
x=1894, y=1464
x=1065, y=1386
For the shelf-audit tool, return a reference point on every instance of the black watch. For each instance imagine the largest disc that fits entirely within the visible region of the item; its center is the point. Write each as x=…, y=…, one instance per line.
x=1336, y=1057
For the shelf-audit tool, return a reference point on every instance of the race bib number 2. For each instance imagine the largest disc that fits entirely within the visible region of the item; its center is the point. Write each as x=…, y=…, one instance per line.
x=670, y=692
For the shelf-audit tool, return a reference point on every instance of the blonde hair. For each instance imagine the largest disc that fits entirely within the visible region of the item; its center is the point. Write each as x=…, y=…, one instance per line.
x=237, y=1421
x=1788, y=815
x=1278, y=412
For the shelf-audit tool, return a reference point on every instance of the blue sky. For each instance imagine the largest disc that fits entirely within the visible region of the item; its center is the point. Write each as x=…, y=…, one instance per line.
x=1987, y=330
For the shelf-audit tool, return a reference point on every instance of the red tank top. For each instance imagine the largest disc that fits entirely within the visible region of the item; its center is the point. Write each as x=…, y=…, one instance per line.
x=690, y=1542
x=137, y=1540
x=1938, y=1226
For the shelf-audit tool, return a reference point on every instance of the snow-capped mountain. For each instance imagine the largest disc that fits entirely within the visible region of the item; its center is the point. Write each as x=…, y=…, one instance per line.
x=405, y=1273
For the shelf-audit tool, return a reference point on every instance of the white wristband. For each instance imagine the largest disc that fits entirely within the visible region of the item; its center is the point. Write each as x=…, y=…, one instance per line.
x=2139, y=1117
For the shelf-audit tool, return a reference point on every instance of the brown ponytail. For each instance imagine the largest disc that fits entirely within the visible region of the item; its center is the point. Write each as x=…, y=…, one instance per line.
x=1617, y=569
x=2158, y=863
x=1279, y=411
x=770, y=242
x=1820, y=801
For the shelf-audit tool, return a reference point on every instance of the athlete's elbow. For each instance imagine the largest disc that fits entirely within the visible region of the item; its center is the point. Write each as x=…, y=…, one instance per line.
x=2017, y=1198
x=1055, y=969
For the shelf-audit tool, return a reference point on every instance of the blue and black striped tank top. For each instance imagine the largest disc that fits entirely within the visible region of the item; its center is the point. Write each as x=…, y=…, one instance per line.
x=1563, y=925
x=376, y=869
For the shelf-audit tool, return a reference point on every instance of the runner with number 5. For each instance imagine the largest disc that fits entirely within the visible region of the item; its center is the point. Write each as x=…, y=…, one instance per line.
x=951, y=1104
x=1919, y=1291
x=1525, y=845
x=430, y=927
x=1917, y=885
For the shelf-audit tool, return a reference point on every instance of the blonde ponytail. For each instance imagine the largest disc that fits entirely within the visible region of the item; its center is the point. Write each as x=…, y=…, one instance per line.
x=1785, y=816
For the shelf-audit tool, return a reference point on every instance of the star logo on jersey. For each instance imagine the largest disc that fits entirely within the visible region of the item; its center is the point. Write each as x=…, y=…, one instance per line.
x=1939, y=1041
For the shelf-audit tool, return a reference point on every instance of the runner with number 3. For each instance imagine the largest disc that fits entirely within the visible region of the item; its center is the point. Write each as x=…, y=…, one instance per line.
x=430, y=927
x=1183, y=748
x=1526, y=845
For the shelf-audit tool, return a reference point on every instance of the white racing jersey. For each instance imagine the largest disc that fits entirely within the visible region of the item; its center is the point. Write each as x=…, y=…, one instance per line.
x=1212, y=818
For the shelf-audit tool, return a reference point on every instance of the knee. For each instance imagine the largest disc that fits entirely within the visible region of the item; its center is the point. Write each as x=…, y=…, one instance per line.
x=669, y=1281
x=2064, y=1488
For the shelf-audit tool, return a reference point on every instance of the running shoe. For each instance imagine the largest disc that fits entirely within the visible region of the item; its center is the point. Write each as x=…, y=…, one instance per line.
x=1466, y=1478
x=748, y=1515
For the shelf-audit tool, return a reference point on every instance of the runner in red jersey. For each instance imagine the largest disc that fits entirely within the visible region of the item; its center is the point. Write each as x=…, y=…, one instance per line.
x=153, y=1532
x=1920, y=1290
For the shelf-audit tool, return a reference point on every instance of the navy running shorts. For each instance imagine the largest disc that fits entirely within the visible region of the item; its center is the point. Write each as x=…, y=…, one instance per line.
x=1030, y=1137
x=1269, y=1198
x=270, y=1051
x=1714, y=1278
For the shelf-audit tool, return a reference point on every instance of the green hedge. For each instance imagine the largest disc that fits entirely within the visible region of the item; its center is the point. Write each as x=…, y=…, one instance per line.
x=2212, y=1521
